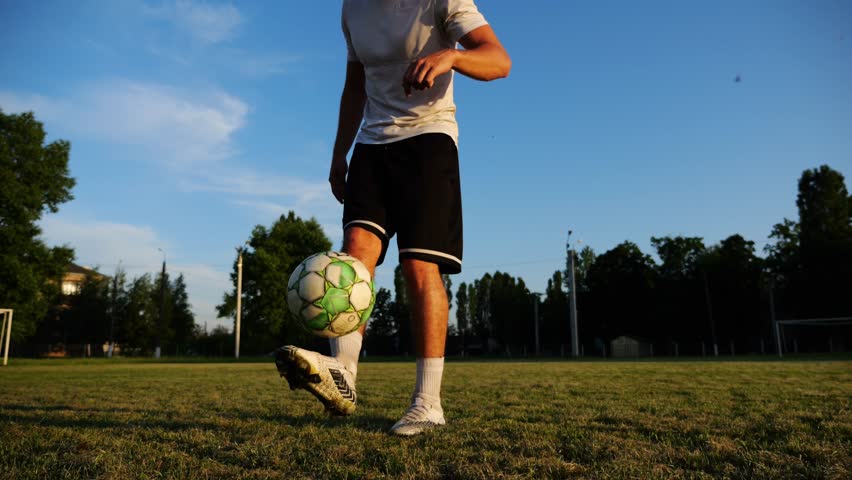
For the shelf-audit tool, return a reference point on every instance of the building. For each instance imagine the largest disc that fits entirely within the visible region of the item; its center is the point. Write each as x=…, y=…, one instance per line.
x=625, y=346
x=73, y=279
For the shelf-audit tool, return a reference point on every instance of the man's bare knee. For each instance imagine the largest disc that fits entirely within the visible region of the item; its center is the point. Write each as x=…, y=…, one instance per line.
x=363, y=245
x=420, y=274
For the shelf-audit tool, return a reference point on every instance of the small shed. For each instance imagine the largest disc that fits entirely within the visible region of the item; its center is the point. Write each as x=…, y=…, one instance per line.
x=625, y=346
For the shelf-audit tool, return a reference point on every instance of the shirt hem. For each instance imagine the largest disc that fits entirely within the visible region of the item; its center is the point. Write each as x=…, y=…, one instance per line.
x=452, y=132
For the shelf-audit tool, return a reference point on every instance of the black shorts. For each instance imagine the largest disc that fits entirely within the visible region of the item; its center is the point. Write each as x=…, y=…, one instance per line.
x=410, y=188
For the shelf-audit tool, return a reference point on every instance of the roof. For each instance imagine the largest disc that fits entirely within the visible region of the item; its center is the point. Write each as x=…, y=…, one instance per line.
x=74, y=268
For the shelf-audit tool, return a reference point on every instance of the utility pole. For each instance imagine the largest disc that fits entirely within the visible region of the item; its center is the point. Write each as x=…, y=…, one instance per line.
x=239, y=302
x=162, y=307
x=575, y=349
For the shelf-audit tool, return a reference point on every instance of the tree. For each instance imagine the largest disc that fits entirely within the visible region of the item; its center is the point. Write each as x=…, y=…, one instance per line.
x=401, y=313
x=511, y=312
x=823, y=202
x=272, y=254
x=162, y=299
x=583, y=261
x=480, y=308
x=782, y=256
x=116, y=303
x=825, y=244
x=462, y=312
x=34, y=178
x=86, y=320
x=182, y=318
x=382, y=328
x=680, y=291
x=137, y=327
x=448, y=285
x=555, y=329
x=733, y=276
x=620, y=301
x=382, y=323
x=500, y=310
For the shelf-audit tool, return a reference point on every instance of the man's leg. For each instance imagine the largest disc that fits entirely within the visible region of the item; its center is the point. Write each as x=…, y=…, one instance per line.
x=429, y=316
x=366, y=247
x=332, y=379
x=429, y=307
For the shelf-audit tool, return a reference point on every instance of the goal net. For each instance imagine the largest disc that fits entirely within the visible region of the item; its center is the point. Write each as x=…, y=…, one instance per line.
x=814, y=335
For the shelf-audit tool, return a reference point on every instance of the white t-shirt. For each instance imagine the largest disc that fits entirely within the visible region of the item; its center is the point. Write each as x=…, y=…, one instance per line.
x=386, y=36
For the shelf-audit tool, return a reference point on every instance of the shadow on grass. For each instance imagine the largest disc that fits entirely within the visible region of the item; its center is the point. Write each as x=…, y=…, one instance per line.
x=96, y=423
x=67, y=416
x=69, y=408
x=366, y=423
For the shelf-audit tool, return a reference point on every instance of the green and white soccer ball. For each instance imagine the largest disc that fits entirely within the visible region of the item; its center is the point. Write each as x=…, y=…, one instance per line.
x=331, y=294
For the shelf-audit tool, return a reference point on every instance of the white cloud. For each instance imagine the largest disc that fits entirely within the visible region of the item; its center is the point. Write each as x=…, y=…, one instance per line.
x=263, y=194
x=178, y=126
x=105, y=244
x=250, y=183
x=205, y=22
x=266, y=209
x=46, y=109
x=261, y=65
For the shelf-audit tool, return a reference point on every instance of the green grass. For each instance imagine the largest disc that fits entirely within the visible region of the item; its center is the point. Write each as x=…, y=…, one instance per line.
x=120, y=419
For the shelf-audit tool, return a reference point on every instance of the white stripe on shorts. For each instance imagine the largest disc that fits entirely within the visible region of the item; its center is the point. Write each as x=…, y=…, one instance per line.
x=431, y=252
x=367, y=222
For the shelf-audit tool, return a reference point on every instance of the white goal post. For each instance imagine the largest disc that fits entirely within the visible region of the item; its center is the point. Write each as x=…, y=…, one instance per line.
x=6, y=333
x=817, y=322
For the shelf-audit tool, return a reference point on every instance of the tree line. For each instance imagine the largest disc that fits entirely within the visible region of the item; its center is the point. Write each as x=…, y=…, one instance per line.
x=696, y=299
x=137, y=315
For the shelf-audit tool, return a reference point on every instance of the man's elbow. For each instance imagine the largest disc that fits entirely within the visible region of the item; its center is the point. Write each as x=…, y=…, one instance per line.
x=502, y=67
x=505, y=67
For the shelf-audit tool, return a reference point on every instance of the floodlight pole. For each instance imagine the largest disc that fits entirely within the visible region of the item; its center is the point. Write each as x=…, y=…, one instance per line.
x=575, y=349
x=239, y=302
x=7, y=326
x=536, y=298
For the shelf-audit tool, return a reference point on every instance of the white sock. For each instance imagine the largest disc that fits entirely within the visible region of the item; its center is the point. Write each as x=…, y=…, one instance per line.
x=428, y=386
x=346, y=350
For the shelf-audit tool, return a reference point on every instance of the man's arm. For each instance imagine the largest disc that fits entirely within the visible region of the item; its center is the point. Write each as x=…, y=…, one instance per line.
x=483, y=58
x=349, y=120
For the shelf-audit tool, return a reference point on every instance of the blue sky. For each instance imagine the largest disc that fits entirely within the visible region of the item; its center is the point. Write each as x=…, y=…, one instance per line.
x=193, y=121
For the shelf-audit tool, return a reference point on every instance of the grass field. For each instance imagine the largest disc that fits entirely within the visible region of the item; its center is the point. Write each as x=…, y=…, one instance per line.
x=119, y=419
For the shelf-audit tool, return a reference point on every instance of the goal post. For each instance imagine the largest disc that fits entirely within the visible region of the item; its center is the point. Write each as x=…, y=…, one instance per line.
x=814, y=322
x=6, y=333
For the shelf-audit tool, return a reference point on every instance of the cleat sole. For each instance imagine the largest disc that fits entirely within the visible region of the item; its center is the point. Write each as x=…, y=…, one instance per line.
x=300, y=374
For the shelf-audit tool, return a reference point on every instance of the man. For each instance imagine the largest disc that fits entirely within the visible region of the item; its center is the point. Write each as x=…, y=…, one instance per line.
x=403, y=178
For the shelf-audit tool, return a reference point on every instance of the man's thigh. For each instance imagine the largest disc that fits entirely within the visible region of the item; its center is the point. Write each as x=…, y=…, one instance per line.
x=426, y=210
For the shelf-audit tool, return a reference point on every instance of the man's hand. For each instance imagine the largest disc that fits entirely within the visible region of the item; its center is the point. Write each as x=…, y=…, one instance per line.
x=421, y=74
x=337, y=176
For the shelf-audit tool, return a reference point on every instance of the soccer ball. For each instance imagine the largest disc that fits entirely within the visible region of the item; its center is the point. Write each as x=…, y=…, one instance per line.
x=331, y=294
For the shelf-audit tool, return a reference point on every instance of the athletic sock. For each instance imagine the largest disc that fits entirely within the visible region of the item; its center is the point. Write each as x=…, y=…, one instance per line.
x=346, y=350
x=428, y=385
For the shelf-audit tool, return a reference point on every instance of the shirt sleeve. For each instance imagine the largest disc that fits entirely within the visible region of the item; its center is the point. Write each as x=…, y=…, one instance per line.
x=459, y=17
x=351, y=56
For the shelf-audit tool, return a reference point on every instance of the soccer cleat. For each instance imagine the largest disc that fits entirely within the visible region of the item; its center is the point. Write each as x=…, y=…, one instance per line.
x=323, y=376
x=420, y=417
